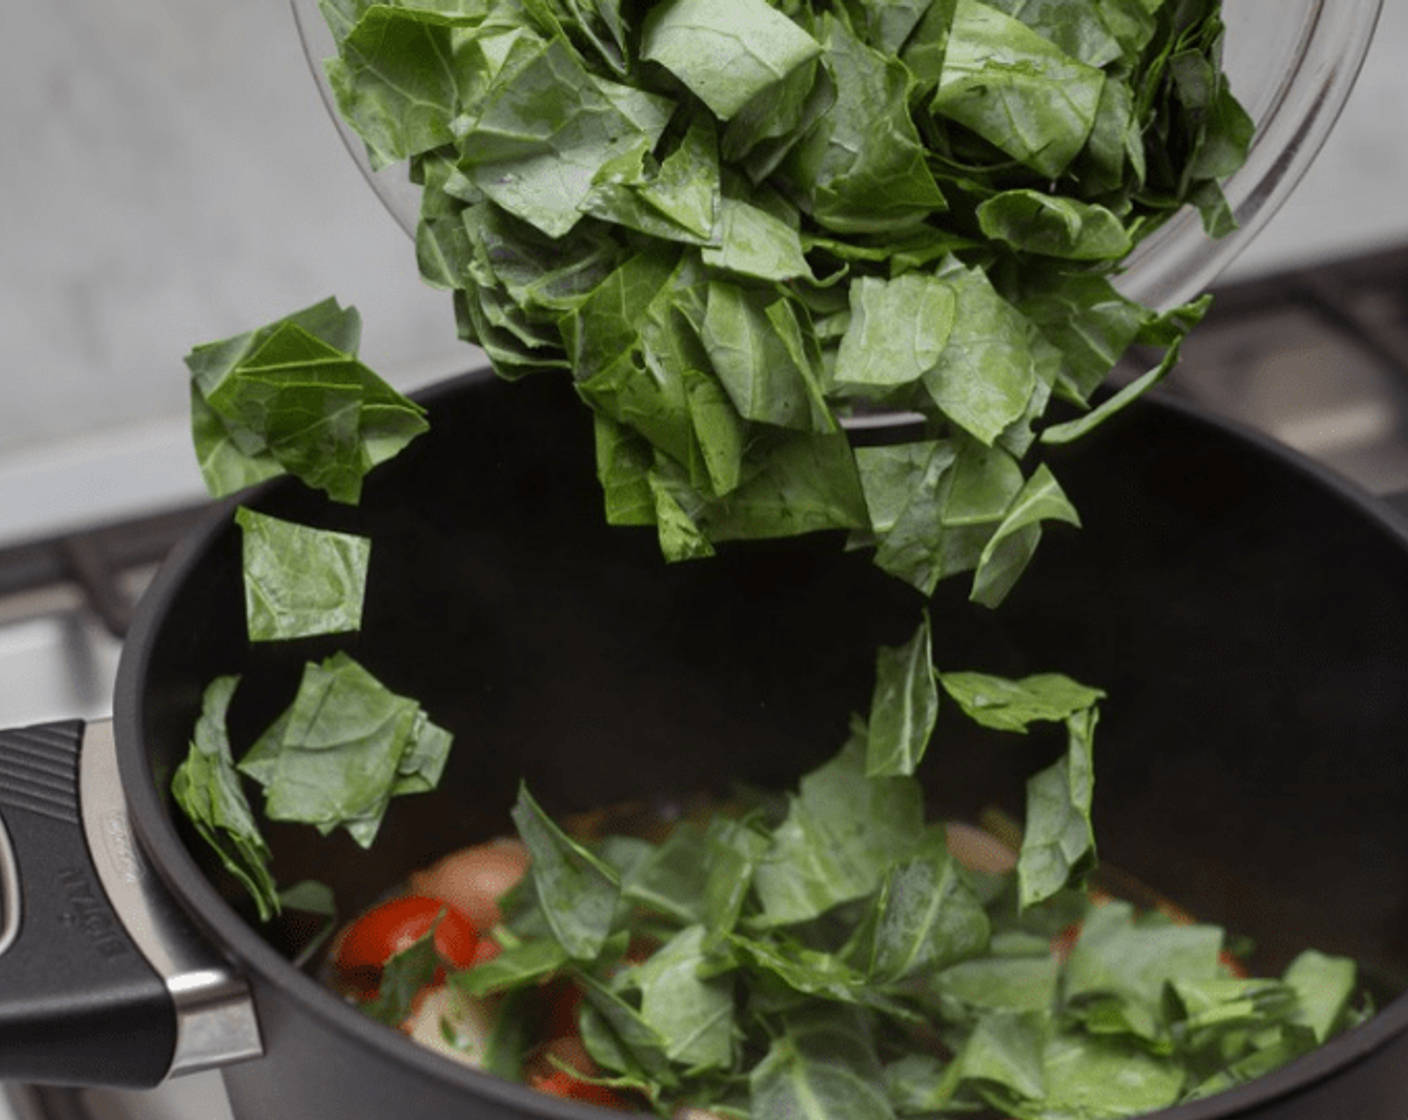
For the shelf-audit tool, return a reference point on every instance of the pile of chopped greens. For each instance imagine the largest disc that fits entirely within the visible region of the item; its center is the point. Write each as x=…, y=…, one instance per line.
x=742, y=228
x=823, y=955
x=738, y=224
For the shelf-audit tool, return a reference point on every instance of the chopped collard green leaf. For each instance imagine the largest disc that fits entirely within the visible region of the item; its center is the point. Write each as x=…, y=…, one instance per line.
x=841, y=834
x=1008, y=705
x=904, y=707
x=404, y=976
x=291, y=397
x=300, y=581
x=208, y=788
x=343, y=749
x=737, y=224
x=578, y=893
x=762, y=46
x=1059, y=847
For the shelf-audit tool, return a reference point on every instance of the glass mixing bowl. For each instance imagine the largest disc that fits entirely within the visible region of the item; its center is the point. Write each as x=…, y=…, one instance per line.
x=1292, y=64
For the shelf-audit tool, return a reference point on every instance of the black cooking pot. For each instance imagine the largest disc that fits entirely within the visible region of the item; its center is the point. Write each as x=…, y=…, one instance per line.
x=1246, y=612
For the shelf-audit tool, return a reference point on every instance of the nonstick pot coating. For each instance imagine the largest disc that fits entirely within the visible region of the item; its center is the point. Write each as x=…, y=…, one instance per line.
x=1246, y=613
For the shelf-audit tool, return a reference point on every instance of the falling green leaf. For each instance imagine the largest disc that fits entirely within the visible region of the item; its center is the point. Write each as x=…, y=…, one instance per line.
x=300, y=581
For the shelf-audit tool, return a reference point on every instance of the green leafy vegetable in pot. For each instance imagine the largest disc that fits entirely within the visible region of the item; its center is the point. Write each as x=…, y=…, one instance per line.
x=832, y=954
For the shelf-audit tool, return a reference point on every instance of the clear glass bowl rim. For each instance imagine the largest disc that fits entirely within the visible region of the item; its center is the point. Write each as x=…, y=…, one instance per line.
x=1179, y=261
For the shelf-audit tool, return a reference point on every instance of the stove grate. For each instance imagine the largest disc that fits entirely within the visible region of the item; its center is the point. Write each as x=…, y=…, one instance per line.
x=97, y=561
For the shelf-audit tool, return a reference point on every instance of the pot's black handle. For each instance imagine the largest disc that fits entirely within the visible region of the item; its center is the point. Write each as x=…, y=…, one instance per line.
x=102, y=982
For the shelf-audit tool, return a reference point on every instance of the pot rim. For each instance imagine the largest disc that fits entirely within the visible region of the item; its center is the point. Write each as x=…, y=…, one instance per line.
x=248, y=949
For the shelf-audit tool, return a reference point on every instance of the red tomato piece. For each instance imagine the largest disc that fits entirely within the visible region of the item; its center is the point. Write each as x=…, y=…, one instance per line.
x=393, y=927
x=549, y=1077
x=560, y=1083
x=485, y=951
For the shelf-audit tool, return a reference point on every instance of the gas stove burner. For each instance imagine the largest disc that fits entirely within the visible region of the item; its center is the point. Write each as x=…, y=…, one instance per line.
x=201, y=1097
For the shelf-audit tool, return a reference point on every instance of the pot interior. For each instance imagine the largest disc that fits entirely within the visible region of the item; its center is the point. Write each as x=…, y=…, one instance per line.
x=1247, y=616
